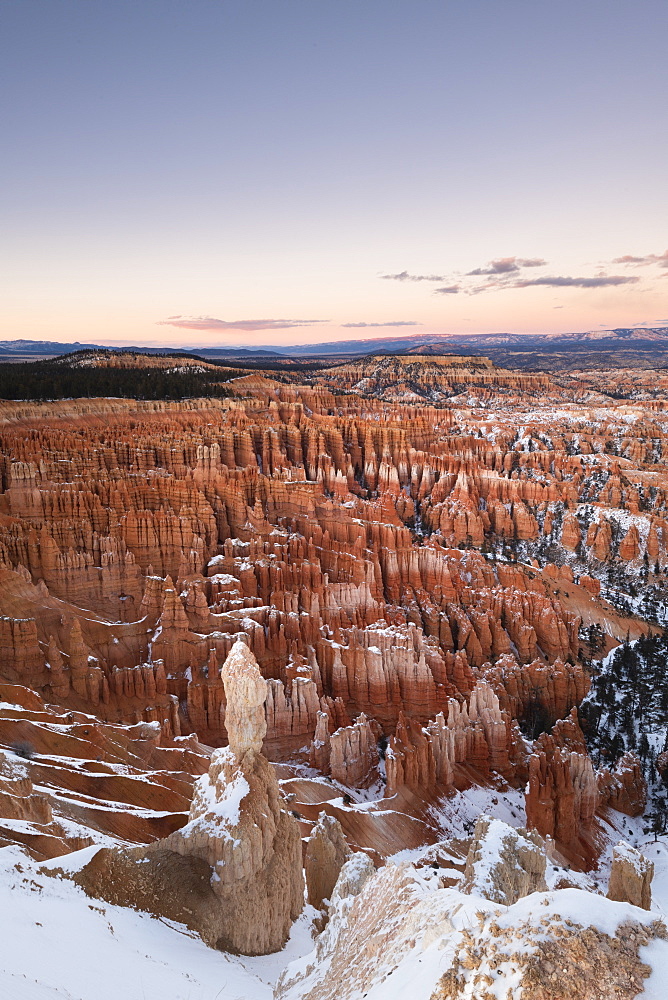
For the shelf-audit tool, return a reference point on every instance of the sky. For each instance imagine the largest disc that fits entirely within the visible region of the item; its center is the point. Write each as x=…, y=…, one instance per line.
x=253, y=172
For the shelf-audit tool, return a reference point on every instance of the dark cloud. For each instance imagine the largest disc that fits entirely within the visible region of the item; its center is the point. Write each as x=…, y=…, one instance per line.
x=405, y=276
x=394, y=322
x=506, y=272
x=600, y=281
x=506, y=265
x=210, y=323
x=499, y=271
x=651, y=258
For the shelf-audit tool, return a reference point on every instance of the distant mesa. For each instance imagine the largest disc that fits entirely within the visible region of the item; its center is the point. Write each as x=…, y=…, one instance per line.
x=106, y=358
x=412, y=377
x=434, y=350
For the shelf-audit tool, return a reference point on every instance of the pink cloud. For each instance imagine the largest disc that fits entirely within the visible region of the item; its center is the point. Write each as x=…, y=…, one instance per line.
x=651, y=258
x=211, y=323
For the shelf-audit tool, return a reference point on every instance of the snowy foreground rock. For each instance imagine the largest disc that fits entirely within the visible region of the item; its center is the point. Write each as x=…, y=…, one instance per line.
x=234, y=872
x=392, y=933
x=631, y=877
x=396, y=933
x=504, y=864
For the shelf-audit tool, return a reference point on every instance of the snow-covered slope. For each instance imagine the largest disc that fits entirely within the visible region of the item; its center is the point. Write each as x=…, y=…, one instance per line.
x=398, y=937
x=403, y=934
x=58, y=944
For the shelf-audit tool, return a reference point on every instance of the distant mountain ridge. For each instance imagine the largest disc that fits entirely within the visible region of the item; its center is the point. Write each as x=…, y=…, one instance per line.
x=24, y=348
x=417, y=342
x=620, y=338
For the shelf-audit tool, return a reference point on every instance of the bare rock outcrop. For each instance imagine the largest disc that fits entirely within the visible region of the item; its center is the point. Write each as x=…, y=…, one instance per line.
x=321, y=748
x=504, y=864
x=246, y=693
x=630, y=877
x=240, y=826
x=326, y=854
x=354, y=754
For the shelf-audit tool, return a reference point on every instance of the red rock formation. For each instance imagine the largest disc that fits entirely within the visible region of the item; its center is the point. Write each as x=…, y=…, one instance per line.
x=409, y=760
x=599, y=536
x=570, y=533
x=354, y=754
x=479, y=735
x=364, y=548
x=624, y=788
x=591, y=585
x=555, y=688
x=629, y=547
x=562, y=795
x=321, y=748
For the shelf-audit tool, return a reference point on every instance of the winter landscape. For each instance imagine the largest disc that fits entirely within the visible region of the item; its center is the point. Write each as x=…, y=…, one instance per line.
x=418, y=605
x=333, y=642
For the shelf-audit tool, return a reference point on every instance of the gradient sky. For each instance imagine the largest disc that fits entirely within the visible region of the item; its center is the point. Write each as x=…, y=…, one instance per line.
x=280, y=171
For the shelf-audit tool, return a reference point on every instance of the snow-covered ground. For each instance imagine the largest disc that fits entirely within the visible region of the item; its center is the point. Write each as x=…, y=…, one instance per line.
x=456, y=816
x=58, y=944
x=410, y=932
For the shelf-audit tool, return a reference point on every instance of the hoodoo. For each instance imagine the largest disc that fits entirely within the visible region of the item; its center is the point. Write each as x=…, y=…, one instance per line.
x=241, y=847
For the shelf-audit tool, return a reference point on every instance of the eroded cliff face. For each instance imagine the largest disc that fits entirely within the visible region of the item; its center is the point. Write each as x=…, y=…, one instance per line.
x=414, y=378
x=412, y=579
x=73, y=781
